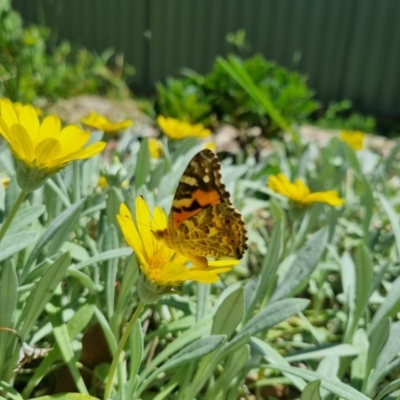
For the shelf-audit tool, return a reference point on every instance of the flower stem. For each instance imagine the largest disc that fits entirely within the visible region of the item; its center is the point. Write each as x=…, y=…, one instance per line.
x=119, y=350
x=12, y=214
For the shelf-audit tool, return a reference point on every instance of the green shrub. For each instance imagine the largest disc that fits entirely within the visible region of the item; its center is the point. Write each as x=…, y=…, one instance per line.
x=28, y=70
x=340, y=115
x=219, y=93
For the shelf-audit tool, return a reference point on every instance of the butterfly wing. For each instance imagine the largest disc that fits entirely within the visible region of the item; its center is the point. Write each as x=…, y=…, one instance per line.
x=203, y=222
x=199, y=187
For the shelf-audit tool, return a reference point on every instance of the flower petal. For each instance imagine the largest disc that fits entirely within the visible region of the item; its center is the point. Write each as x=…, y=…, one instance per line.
x=29, y=119
x=47, y=150
x=22, y=143
x=143, y=218
x=50, y=128
x=130, y=232
x=8, y=113
x=330, y=197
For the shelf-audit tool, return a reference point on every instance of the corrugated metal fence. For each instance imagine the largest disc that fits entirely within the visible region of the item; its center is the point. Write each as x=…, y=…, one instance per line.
x=348, y=48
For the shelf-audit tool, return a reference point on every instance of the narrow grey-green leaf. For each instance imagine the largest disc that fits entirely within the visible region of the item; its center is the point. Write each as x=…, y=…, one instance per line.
x=229, y=314
x=114, y=201
x=76, y=324
x=388, y=353
x=130, y=277
x=42, y=293
x=340, y=350
x=359, y=364
x=197, y=349
x=331, y=384
x=394, y=219
x=107, y=255
x=25, y=217
x=8, y=303
x=8, y=293
x=203, y=292
x=197, y=330
x=390, y=388
x=311, y=391
x=15, y=242
x=274, y=357
x=363, y=280
x=303, y=265
x=142, y=164
x=271, y=315
x=59, y=223
x=269, y=265
x=137, y=348
x=389, y=307
x=110, y=268
x=67, y=396
x=378, y=339
x=64, y=345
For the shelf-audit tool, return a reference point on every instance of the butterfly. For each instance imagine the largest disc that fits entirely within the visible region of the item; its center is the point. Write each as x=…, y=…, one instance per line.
x=202, y=222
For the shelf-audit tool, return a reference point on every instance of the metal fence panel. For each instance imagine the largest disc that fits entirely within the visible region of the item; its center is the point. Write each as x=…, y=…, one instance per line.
x=348, y=48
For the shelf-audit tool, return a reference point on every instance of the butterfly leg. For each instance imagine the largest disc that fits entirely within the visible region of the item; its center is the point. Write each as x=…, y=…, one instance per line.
x=199, y=261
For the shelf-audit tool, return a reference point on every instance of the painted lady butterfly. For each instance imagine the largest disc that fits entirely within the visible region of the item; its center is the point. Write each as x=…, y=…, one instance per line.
x=202, y=222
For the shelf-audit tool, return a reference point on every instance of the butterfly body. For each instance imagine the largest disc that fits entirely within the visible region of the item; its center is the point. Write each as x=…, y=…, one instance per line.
x=202, y=222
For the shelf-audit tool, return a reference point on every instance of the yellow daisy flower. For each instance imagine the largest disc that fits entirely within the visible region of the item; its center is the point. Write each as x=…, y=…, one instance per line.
x=300, y=194
x=176, y=129
x=161, y=266
x=42, y=149
x=155, y=148
x=355, y=139
x=101, y=123
x=18, y=107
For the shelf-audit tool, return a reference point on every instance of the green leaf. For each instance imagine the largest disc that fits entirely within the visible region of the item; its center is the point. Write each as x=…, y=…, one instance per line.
x=78, y=252
x=271, y=315
x=363, y=270
x=75, y=325
x=303, y=265
x=203, y=292
x=15, y=242
x=274, y=357
x=359, y=364
x=110, y=269
x=67, y=396
x=393, y=218
x=114, y=201
x=61, y=224
x=378, y=339
x=42, y=293
x=64, y=345
x=11, y=392
x=239, y=73
x=229, y=314
x=268, y=267
x=131, y=275
x=389, y=307
x=142, y=169
x=340, y=350
x=8, y=294
x=388, y=353
x=197, y=330
x=195, y=350
x=107, y=255
x=25, y=217
x=137, y=349
x=331, y=384
x=389, y=389
x=311, y=391
x=8, y=303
